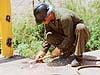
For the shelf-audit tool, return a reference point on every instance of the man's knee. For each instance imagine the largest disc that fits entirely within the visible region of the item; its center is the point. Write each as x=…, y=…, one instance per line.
x=80, y=26
x=54, y=38
x=48, y=36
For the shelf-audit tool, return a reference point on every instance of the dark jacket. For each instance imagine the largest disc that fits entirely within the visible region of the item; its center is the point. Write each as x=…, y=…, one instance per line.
x=63, y=29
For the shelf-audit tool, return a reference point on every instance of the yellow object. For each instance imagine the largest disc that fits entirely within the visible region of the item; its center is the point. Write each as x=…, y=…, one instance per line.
x=5, y=28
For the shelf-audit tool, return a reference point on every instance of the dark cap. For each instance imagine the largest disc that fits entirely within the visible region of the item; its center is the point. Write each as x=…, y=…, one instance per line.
x=40, y=12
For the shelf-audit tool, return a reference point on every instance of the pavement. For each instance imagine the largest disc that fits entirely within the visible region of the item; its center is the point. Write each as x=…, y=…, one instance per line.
x=18, y=66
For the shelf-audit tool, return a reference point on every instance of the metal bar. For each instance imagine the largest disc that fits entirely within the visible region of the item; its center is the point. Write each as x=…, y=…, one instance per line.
x=6, y=28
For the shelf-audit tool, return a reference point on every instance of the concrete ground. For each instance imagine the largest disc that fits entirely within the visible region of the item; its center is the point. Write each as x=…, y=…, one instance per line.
x=19, y=66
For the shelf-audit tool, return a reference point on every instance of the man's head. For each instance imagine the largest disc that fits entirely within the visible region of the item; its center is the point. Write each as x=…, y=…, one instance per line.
x=41, y=12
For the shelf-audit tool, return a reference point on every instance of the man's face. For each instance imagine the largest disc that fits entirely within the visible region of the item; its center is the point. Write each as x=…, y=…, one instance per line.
x=40, y=16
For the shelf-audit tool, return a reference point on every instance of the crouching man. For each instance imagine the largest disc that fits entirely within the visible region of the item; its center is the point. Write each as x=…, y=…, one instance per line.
x=64, y=30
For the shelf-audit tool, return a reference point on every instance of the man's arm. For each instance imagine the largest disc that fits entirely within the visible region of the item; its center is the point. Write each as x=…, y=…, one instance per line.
x=46, y=46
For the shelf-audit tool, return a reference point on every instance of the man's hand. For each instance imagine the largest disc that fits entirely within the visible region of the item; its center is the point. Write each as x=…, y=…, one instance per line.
x=55, y=53
x=40, y=56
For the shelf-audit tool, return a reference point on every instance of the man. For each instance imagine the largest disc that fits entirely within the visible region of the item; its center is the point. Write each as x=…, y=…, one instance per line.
x=64, y=30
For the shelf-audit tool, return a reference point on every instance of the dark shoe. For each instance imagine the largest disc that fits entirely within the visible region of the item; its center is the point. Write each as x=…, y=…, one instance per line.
x=77, y=61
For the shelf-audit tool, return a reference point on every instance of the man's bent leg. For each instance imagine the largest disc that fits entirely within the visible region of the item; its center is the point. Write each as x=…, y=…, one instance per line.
x=54, y=38
x=82, y=35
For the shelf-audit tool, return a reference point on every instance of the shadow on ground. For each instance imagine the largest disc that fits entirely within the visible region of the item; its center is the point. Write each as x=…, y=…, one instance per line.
x=65, y=61
x=15, y=57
